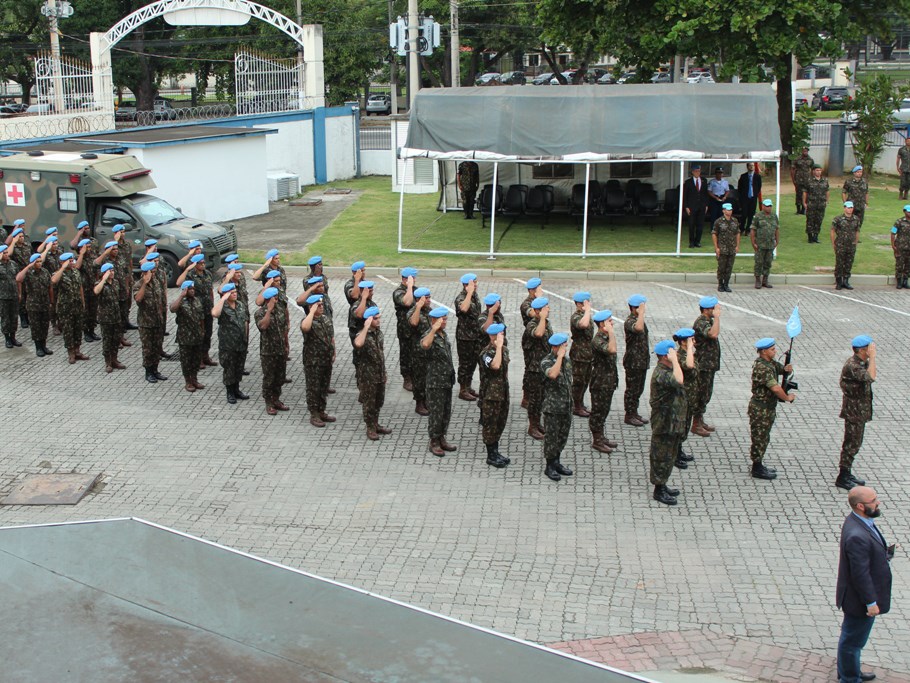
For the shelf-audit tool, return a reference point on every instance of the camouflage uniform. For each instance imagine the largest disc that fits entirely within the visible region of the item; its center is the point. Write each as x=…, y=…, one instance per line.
x=418, y=354
x=557, y=406
x=20, y=256
x=373, y=379
x=802, y=172
x=190, y=335
x=901, y=232
x=727, y=232
x=38, y=302
x=763, y=405
x=765, y=226
x=233, y=342
x=124, y=270
x=903, y=155
x=845, y=236
x=52, y=265
x=243, y=298
x=89, y=273
x=326, y=300
x=356, y=324
x=318, y=351
x=535, y=349
x=351, y=292
x=635, y=361
x=108, y=312
x=150, y=321
x=691, y=387
x=282, y=303
x=524, y=309
x=582, y=356
x=467, y=337
x=203, y=284
x=604, y=380
x=856, y=408
x=468, y=182
x=439, y=382
x=669, y=407
x=494, y=394
x=9, y=298
x=272, y=352
x=816, y=201
x=403, y=330
x=707, y=360
x=498, y=318
x=856, y=190
x=70, y=308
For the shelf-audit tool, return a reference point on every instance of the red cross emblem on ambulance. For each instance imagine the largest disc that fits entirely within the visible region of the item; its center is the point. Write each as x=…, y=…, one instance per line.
x=15, y=194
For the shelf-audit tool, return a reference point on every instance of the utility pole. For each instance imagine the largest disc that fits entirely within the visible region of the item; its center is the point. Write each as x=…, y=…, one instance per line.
x=413, y=52
x=456, y=45
x=52, y=11
x=301, y=84
x=393, y=66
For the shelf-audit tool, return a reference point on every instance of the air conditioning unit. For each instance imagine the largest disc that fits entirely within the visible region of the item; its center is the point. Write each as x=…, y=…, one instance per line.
x=283, y=186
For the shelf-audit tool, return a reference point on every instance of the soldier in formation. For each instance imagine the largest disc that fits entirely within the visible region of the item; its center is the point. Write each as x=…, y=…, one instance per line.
x=765, y=236
x=494, y=392
x=582, y=330
x=900, y=245
x=467, y=335
x=903, y=168
x=468, y=182
x=685, y=341
x=148, y=295
x=419, y=325
x=856, y=190
x=83, y=240
x=707, y=358
x=636, y=359
x=766, y=392
x=668, y=417
x=107, y=297
x=233, y=339
x=815, y=201
x=490, y=315
x=844, y=237
x=270, y=319
x=373, y=376
x=535, y=346
x=604, y=380
x=318, y=356
x=70, y=303
x=203, y=285
x=403, y=299
x=36, y=285
x=856, y=380
x=524, y=308
x=21, y=253
x=51, y=249
x=188, y=307
x=440, y=378
x=317, y=269
x=725, y=235
x=351, y=288
x=124, y=256
x=557, y=405
x=9, y=297
x=800, y=171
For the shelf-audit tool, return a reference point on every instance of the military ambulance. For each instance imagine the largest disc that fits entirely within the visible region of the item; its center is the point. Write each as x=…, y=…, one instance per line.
x=63, y=188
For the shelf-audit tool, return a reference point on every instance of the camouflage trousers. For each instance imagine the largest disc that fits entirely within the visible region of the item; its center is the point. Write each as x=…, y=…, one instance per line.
x=843, y=261
x=9, y=316
x=600, y=408
x=418, y=376
x=815, y=216
x=725, y=267
x=372, y=398
x=208, y=323
x=71, y=327
x=534, y=393
x=859, y=210
x=905, y=182
x=800, y=188
x=232, y=363
x=763, y=260
x=664, y=449
x=273, y=373
x=690, y=413
x=557, y=426
x=404, y=353
x=705, y=391
x=761, y=419
x=635, y=387
x=439, y=403
x=581, y=378
x=125, y=311
x=901, y=264
x=493, y=417
x=317, y=386
x=110, y=341
x=190, y=358
x=853, y=440
x=39, y=323
x=151, y=339
x=90, y=319
x=468, y=352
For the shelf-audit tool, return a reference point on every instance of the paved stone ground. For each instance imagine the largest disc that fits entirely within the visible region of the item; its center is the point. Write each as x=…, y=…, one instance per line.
x=591, y=557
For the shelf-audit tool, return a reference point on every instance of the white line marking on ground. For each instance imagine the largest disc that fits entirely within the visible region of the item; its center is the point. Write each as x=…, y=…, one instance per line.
x=858, y=301
x=725, y=304
x=559, y=296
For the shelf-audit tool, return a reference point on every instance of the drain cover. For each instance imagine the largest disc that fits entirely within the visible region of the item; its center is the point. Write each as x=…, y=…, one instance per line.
x=337, y=190
x=51, y=489
x=305, y=202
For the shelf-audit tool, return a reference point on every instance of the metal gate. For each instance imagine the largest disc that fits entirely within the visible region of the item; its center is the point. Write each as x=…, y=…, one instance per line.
x=63, y=86
x=267, y=85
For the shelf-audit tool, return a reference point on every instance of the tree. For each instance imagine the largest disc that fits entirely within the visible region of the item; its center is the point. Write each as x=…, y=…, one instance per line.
x=23, y=33
x=874, y=106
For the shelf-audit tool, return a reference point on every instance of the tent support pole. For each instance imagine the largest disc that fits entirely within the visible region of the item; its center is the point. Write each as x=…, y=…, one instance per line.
x=679, y=222
x=445, y=184
x=584, y=224
x=777, y=193
x=404, y=173
x=491, y=257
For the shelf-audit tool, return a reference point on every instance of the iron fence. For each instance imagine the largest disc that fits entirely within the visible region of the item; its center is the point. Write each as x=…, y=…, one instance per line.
x=375, y=137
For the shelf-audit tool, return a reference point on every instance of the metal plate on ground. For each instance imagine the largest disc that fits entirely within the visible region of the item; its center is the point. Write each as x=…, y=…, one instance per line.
x=51, y=489
x=337, y=190
x=305, y=202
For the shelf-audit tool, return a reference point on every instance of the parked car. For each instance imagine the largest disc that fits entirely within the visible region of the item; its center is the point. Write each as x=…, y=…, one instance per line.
x=595, y=74
x=661, y=77
x=16, y=107
x=900, y=116
x=40, y=108
x=568, y=75
x=513, y=78
x=163, y=111
x=606, y=79
x=379, y=104
x=627, y=77
x=542, y=79
x=487, y=78
x=800, y=100
x=830, y=97
x=700, y=78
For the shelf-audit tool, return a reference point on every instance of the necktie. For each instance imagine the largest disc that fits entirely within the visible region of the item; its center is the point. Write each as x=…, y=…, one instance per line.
x=750, y=186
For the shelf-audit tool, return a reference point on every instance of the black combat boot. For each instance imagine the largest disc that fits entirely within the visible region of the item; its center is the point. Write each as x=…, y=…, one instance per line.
x=493, y=459
x=47, y=351
x=847, y=284
x=856, y=480
x=150, y=376
x=500, y=455
x=843, y=480
x=840, y=283
x=759, y=471
x=239, y=394
x=231, y=398
x=15, y=341
x=662, y=495
x=687, y=457
x=39, y=350
x=680, y=462
x=551, y=472
x=9, y=341
x=23, y=319
x=561, y=469
x=157, y=374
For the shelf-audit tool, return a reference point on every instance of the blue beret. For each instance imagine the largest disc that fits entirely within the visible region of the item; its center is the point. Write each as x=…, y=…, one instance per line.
x=861, y=342
x=534, y=283
x=154, y=255
x=637, y=299
x=906, y=207
x=83, y=242
x=51, y=239
x=118, y=228
x=19, y=221
x=314, y=260
x=63, y=257
x=194, y=244
x=187, y=284
x=230, y=258
x=235, y=266
x=491, y=299
x=421, y=292
x=600, y=316
x=467, y=277
x=495, y=328
x=662, y=347
x=111, y=244
x=540, y=302
x=439, y=312
x=4, y=247
x=358, y=265
x=315, y=279
x=581, y=297
x=50, y=231
x=696, y=167
x=409, y=271
x=370, y=312
x=272, y=253
x=271, y=273
x=147, y=266
x=684, y=332
x=367, y=284
x=727, y=206
x=35, y=257
x=229, y=287
x=82, y=224
x=856, y=168
x=707, y=302
x=314, y=299
x=767, y=202
x=106, y=267
x=764, y=343
x=848, y=204
x=151, y=242
x=558, y=338
x=270, y=293
x=16, y=232
x=196, y=258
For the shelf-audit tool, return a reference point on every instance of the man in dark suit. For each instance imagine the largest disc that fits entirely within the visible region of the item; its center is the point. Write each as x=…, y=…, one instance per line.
x=748, y=189
x=695, y=205
x=863, y=581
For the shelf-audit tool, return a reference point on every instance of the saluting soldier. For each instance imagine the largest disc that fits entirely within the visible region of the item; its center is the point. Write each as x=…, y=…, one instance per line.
x=277, y=279
x=352, y=286
x=317, y=269
x=707, y=357
x=202, y=288
x=467, y=335
x=70, y=304
x=534, y=291
x=356, y=321
x=800, y=170
x=582, y=331
x=148, y=295
x=233, y=339
x=107, y=295
x=844, y=236
x=318, y=356
x=51, y=249
x=668, y=417
x=856, y=190
x=9, y=297
x=685, y=340
x=636, y=359
x=766, y=392
x=419, y=326
x=21, y=252
x=270, y=321
x=765, y=236
x=856, y=378
x=468, y=181
x=403, y=299
x=556, y=369
x=604, y=379
x=111, y=254
x=439, y=381
x=84, y=240
x=373, y=378
x=36, y=281
x=725, y=235
x=236, y=277
x=535, y=345
x=494, y=392
x=903, y=168
x=815, y=199
x=900, y=245
x=190, y=332
x=124, y=269
x=492, y=314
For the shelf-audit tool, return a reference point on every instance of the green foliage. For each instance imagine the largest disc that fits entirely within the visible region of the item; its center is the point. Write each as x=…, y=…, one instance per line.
x=874, y=105
x=23, y=33
x=801, y=132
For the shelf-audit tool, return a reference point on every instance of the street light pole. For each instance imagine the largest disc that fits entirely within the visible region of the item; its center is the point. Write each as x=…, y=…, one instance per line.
x=455, y=57
x=55, y=57
x=413, y=52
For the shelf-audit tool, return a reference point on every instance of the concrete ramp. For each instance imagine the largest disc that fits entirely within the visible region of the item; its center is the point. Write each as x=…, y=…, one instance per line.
x=127, y=600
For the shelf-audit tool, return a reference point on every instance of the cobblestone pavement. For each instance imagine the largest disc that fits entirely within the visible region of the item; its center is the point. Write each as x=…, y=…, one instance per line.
x=590, y=557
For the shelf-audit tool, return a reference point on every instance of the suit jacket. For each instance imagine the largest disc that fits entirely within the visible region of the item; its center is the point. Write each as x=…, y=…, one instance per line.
x=863, y=575
x=693, y=199
x=742, y=188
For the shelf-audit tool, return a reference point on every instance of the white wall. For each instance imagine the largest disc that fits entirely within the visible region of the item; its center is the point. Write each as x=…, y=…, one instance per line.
x=215, y=181
x=377, y=161
x=886, y=163
x=291, y=149
x=339, y=143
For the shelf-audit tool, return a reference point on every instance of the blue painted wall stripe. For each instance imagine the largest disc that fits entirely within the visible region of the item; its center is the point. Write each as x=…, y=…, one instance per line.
x=320, y=166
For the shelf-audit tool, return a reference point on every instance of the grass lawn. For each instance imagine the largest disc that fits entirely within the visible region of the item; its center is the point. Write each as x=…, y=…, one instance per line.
x=369, y=230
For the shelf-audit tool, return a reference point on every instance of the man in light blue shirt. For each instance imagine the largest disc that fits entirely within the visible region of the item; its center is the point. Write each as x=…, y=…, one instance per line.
x=718, y=193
